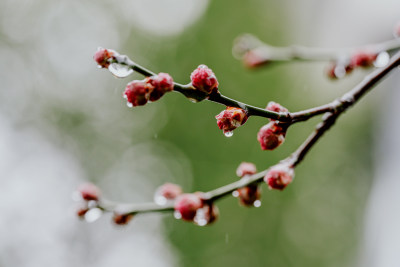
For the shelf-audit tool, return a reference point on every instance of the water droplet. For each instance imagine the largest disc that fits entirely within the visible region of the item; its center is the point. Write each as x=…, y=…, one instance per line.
x=235, y=193
x=124, y=96
x=228, y=134
x=200, y=218
x=177, y=215
x=340, y=71
x=129, y=104
x=120, y=71
x=160, y=200
x=99, y=66
x=93, y=215
x=382, y=59
x=257, y=203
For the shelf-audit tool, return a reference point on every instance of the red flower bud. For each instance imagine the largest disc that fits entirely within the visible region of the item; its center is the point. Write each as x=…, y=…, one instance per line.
x=273, y=106
x=137, y=93
x=363, y=59
x=231, y=118
x=248, y=195
x=167, y=192
x=246, y=168
x=122, y=219
x=204, y=79
x=206, y=215
x=89, y=192
x=82, y=211
x=161, y=83
x=279, y=176
x=102, y=57
x=255, y=58
x=186, y=206
x=271, y=136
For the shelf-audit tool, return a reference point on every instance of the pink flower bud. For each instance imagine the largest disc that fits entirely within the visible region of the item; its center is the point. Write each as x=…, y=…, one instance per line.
x=122, y=219
x=337, y=71
x=102, y=57
x=82, y=211
x=187, y=205
x=204, y=79
x=271, y=135
x=249, y=194
x=137, y=93
x=246, y=168
x=273, y=106
x=279, y=176
x=161, y=83
x=231, y=118
x=167, y=192
x=206, y=215
x=254, y=58
x=89, y=191
x=363, y=59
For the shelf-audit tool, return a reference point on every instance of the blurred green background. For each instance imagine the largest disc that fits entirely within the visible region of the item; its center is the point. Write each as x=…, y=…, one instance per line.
x=51, y=85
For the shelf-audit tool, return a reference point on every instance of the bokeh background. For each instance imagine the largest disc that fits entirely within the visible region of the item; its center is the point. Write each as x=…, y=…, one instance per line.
x=63, y=122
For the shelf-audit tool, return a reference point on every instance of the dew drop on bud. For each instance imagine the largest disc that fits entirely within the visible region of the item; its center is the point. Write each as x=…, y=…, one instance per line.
x=257, y=203
x=99, y=66
x=228, y=134
x=92, y=204
x=177, y=215
x=235, y=193
x=129, y=104
x=120, y=71
x=382, y=59
x=160, y=200
x=193, y=100
x=93, y=215
x=200, y=218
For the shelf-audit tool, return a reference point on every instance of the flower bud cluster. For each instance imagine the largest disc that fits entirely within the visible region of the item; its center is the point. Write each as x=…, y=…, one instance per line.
x=249, y=195
x=103, y=57
x=359, y=59
x=191, y=207
x=138, y=93
x=90, y=194
x=272, y=135
x=279, y=176
x=231, y=118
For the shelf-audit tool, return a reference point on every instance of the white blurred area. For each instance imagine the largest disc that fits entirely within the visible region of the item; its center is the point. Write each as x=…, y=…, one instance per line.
x=47, y=77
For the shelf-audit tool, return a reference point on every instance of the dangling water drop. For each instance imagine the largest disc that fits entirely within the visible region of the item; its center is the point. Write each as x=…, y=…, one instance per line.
x=382, y=59
x=120, y=71
x=257, y=203
x=235, y=193
x=200, y=218
x=129, y=104
x=228, y=134
x=93, y=215
x=177, y=215
x=99, y=66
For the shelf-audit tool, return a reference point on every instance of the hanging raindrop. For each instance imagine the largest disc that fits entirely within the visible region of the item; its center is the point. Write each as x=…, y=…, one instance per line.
x=257, y=203
x=382, y=59
x=228, y=134
x=119, y=70
x=177, y=215
x=93, y=215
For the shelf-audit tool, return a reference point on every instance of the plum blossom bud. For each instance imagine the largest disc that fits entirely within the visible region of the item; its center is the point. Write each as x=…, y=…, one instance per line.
x=204, y=79
x=251, y=193
x=102, y=57
x=89, y=191
x=363, y=59
x=255, y=58
x=273, y=106
x=246, y=168
x=279, y=176
x=231, y=118
x=82, y=211
x=271, y=135
x=206, y=215
x=122, y=219
x=337, y=71
x=167, y=192
x=137, y=93
x=161, y=84
x=186, y=205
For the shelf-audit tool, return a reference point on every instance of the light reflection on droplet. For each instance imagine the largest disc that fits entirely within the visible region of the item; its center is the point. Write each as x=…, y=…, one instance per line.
x=228, y=134
x=200, y=218
x=177, y=215
x=129, y=104
x=235, y=193
x=257, y=203
x=160, y=200
x=382, y=59
x=340, y=71
x=99, y=66
x=93, y=215
x=120, y=71
x=193, y=100
x=92, y=204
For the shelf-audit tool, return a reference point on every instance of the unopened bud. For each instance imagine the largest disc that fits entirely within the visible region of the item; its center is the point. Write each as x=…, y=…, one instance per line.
x=187, y=205
x=271, y=135
x=204, y=79
x=231, y=118
x=279, y=176
x=89, y=192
